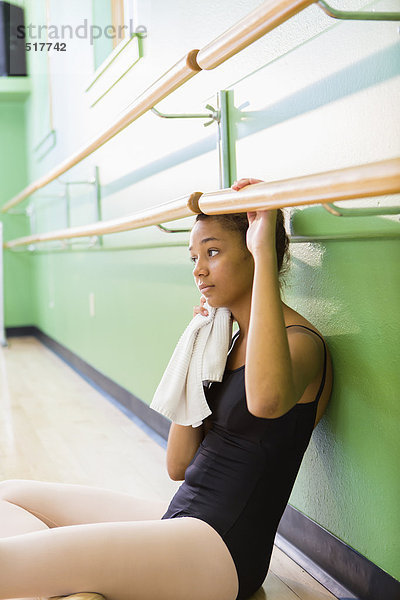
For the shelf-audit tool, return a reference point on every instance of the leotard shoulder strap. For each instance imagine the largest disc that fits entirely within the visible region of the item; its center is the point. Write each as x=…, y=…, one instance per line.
x=324, y=374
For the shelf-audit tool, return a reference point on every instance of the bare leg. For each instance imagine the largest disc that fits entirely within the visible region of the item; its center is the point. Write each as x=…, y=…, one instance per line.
x=27, y=506
x=15, y=520
x=172, y=559
x=136, y=556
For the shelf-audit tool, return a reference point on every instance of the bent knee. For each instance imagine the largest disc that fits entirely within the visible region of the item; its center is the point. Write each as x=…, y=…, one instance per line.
x=9, y=488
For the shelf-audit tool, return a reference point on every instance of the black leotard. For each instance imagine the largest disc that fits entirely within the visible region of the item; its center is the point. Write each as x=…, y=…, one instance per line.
x=241, y=477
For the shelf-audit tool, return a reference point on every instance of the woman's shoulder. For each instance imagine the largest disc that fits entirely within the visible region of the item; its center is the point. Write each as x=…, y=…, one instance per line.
x=292, y=317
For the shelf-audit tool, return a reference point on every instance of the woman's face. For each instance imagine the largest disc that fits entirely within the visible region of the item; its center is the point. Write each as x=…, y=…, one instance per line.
x=222, y=263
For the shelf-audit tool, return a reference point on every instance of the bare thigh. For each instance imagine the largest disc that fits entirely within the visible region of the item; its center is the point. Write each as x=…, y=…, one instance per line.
x=171, y=559
x=60, y=504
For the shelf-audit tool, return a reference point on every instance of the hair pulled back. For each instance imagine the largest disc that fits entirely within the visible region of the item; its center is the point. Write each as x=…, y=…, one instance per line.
x=239, y=222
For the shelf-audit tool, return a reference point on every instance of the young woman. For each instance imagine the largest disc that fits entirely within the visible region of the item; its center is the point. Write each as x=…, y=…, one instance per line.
x=239, y=466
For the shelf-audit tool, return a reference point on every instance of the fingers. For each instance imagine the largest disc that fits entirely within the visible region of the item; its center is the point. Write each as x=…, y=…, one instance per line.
x=241, y=183
x=200, y=310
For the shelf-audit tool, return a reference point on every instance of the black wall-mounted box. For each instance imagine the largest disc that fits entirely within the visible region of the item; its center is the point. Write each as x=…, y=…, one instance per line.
x=12, y=41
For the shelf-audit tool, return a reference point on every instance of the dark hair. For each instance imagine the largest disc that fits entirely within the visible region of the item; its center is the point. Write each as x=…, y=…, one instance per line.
x=239, y=222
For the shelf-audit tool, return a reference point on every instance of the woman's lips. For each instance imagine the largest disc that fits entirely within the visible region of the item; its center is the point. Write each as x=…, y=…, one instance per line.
x=206, y=288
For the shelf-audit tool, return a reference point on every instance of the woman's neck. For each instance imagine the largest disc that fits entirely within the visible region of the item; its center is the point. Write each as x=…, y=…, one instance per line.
x=242, y=316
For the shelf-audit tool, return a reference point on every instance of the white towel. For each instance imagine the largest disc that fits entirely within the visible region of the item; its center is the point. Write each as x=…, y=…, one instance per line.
x=200, y=355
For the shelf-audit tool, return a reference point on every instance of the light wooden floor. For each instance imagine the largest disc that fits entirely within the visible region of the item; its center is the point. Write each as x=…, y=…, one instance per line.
x=54, y=426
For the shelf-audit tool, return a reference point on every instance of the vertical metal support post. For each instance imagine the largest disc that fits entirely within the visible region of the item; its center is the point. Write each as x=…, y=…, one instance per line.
x=3, y=341
x=226, y=139
x=67, y=211
x=30, y=211
x=98, y=200
x=95, y=181
x=67, y=206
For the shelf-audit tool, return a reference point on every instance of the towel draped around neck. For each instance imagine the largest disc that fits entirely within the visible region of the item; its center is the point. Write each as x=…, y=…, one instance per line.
x=200, y=356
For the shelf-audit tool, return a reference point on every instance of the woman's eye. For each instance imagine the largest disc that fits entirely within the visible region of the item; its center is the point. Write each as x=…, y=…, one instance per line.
x=210, y=251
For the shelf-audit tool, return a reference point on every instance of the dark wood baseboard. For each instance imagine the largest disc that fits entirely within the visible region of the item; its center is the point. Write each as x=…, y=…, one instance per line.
x=338, y=567
x=21, y=331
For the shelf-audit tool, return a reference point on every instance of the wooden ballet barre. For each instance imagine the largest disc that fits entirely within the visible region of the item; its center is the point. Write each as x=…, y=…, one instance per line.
x=181, y=72
x=169, y=211
x=264, y=18
x=374, y=179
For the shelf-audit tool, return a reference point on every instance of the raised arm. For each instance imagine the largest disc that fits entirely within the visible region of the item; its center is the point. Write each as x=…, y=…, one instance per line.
x=278, y=369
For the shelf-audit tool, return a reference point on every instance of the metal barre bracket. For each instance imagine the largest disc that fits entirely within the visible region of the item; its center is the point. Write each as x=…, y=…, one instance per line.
x=214, y=115
x=62, y=245
x=166, y=230
x=357, y=15
x=90, y=181
x=53, y=134
x=363, y=211
x=29, y=210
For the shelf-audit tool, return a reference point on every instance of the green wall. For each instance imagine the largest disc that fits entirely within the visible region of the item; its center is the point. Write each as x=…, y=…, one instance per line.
x=18, y=280
x=349, y=481
x=321, y=95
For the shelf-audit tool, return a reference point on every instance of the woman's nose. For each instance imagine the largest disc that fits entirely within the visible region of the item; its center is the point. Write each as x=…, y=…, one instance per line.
x=200, y=268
